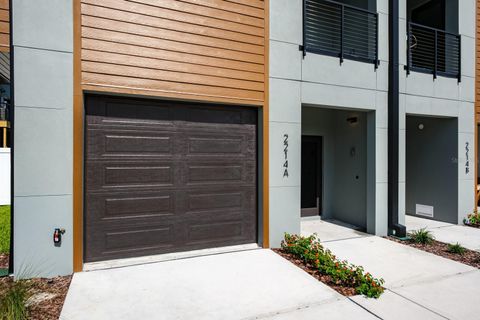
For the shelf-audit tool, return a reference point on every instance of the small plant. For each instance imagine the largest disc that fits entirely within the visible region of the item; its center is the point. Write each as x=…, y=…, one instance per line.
x=342, y=273
x=421, y=236
x=13, y=302
x=472, y=219
x=456, y=248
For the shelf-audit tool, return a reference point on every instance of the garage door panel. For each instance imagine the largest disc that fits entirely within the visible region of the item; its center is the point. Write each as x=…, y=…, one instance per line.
x=221, y=115
x=210, y=232
x=227, y=172
x=110, y=143
x=130, y=205
x=166, y=176
x=109, y=111
x=129, y=242
x=214, y=144
x=216, y=201
x=125, y=143
x=201, y=144
x=134, y=207
x=104, y=175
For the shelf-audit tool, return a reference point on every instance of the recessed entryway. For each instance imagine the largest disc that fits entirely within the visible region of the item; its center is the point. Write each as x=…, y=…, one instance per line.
x=336, y=179
x=164, y=177
x=432, y=168
x=312, y=168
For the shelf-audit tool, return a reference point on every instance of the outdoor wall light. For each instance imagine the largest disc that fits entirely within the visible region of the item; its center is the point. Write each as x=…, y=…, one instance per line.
x=421, y=126
x=352, y=120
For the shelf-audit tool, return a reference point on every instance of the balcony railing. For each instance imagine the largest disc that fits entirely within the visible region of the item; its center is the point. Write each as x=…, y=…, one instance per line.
x=340, y=30
x=433, y=51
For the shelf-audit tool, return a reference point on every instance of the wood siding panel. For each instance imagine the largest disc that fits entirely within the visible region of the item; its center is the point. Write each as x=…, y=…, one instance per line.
x=477, y=101
x=207, y=49
x=477, y=66
x=4, y=26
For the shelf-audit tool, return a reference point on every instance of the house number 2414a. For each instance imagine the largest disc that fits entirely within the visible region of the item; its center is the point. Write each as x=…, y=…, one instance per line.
x=285, y=153
x=467, y=162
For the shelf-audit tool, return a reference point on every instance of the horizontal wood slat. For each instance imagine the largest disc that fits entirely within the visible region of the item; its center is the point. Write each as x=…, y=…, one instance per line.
x=203, y=49
x=4, y=26
x=194, y=19
x=229, y=6
x=147, y=52
x=477, y=65
x=175, y=46
x=252, y=3
x=204, y=10
x=158, y=64
x=164, y=23
x=174, y=87
x=164, y=34
x=156, y=74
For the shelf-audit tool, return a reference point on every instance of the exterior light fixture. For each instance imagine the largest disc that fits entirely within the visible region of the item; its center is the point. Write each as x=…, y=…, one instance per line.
x=352, y=121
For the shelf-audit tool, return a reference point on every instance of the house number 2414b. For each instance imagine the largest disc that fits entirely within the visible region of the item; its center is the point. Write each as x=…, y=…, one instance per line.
x=285, y=153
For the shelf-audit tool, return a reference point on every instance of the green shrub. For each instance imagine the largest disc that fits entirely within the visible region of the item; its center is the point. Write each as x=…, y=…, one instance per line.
x=342, y=273
x=422, y=236
x=13, y=302
x=4, y=229
x=472, y=219
x=456, y=248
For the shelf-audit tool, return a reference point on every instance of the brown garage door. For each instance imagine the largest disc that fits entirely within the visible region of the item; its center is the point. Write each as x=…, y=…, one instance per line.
x=167, y=176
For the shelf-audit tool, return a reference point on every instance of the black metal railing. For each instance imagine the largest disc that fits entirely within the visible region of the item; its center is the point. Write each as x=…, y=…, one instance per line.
x=4, y=109
x=340, y=30
x=433, y=51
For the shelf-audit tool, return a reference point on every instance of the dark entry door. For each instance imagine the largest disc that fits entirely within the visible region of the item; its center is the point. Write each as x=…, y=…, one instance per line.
x=167, y=176
x=311, y=185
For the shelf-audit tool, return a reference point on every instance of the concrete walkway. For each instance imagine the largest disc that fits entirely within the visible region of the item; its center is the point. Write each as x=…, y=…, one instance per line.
x=419, y=285
x=330, y=230
x=255, y=284
x=258, y=284
x=445, y=232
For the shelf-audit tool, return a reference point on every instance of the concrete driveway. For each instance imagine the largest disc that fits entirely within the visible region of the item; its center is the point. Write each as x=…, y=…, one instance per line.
x=258, y=284
x=419, y=285
x=254, y=284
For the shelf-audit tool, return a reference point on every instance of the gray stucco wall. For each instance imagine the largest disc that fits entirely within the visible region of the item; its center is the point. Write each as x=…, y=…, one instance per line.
x=350, y=196
x=43, y=57
x=432, y=166
x=421, y=95
x=321, y=81
x=340, y=166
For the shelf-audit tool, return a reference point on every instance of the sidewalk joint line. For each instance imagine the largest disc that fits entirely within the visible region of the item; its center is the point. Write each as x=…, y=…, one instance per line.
x=418, y=304
x=364, y=308
x=351, y=238
x=293, y=309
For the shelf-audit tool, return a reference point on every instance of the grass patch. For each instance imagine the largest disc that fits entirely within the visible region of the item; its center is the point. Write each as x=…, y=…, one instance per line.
x=4, y=229
x=13, y=302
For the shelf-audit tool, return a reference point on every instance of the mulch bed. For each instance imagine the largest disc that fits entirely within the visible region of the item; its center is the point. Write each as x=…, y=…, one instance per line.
x=473, y=225
x=346, y=291
x=55, y=289
x=470, y=257
x=3, y=261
